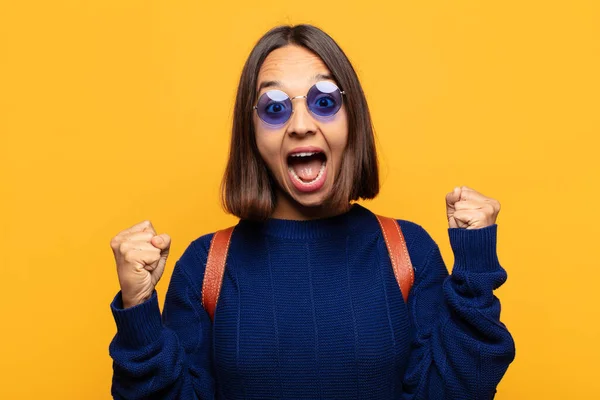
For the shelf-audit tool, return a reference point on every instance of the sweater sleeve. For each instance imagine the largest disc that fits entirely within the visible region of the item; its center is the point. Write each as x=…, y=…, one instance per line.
x=461, y=349
x=168, y=356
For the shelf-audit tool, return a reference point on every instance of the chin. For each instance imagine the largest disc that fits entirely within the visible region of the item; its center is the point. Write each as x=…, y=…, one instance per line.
x=309, y=202
x=314, y=201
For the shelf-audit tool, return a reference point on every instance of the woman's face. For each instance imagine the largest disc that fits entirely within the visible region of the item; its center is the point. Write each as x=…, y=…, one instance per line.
x=304, y=154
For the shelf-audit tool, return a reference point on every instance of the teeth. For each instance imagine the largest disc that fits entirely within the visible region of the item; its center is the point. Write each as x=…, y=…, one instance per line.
x=304, y=154
x=307, y=183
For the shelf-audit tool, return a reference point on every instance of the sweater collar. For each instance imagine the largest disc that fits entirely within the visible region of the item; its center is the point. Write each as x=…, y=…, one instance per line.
x=357, y=218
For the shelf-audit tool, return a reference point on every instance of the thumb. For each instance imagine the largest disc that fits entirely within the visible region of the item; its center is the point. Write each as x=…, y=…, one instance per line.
x=453, y=197
x=162, y=241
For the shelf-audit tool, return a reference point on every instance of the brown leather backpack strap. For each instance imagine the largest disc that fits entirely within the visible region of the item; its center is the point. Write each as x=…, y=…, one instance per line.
x=394, y=240
x=215, y=268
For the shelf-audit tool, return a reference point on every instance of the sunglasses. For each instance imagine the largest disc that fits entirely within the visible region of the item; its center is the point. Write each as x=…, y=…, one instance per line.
x=324, y=99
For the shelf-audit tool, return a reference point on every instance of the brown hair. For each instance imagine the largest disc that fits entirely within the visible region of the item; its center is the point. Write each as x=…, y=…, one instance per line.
x=247, y=187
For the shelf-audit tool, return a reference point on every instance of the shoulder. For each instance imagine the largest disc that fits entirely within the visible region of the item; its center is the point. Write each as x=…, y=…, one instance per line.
x=415, y=234
x=196, y=250
x=192, y=262
x=419, y=242
x=422, y=248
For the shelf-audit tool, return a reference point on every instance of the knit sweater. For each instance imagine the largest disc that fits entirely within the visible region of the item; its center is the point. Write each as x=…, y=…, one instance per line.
x=312, y=310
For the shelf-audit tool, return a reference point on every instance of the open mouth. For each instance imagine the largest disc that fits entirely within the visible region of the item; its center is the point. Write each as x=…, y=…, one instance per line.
x=307, y=170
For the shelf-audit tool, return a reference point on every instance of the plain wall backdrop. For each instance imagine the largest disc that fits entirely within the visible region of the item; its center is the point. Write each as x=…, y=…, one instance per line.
x=113, y=111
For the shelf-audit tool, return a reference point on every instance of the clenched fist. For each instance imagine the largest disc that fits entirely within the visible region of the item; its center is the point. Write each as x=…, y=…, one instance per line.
x=467, y=208
x=141, y=256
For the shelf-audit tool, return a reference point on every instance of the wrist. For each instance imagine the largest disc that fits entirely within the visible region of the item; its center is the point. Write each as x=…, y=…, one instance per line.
x=475, y=249
x=133, y=300
x=137, y=326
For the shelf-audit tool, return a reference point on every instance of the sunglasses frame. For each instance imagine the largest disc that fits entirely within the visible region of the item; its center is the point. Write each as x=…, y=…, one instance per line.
x=342, y=93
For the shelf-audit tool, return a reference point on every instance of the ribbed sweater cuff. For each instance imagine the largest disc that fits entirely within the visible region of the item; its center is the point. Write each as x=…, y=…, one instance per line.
x=139, y=325
x=474, y=249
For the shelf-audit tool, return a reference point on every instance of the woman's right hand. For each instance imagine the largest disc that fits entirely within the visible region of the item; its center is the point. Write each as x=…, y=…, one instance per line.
x=141, y=256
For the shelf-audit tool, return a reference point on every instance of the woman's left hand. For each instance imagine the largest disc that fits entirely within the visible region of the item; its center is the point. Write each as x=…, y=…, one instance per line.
x=467, y=208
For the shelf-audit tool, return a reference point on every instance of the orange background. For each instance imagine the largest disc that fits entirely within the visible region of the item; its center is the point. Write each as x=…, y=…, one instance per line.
x=116, y=111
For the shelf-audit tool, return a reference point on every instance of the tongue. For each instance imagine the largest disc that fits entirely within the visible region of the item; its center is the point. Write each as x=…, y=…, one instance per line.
x=307, y=169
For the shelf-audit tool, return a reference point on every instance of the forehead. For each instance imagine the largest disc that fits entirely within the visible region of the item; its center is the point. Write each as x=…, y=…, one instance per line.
x=291, y=66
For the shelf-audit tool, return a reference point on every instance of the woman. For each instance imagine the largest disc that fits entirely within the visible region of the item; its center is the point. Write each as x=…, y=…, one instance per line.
x=309, y=307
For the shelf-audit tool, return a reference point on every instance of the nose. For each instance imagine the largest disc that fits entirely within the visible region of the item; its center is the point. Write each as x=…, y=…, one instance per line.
x=301, y=121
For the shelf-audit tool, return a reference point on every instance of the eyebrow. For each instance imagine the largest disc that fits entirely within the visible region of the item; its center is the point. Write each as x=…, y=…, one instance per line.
x=268, y=84
x=321, y=77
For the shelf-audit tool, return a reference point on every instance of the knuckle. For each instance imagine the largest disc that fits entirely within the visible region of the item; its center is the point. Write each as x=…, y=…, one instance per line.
x=490, y=208
x=130, y=256
x=139, y=236
x=147, y=223
x=124, y=247
x=145, y=236
x=152, y=258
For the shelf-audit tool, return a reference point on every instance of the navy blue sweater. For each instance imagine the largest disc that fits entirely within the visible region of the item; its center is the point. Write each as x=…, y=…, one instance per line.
x=311, y=310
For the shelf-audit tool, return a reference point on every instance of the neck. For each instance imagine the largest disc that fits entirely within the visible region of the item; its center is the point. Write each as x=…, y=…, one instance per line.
x=356, y=220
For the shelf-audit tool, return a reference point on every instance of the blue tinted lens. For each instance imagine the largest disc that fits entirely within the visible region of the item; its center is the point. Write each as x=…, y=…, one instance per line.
x=324, y=99
x=274, y=107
